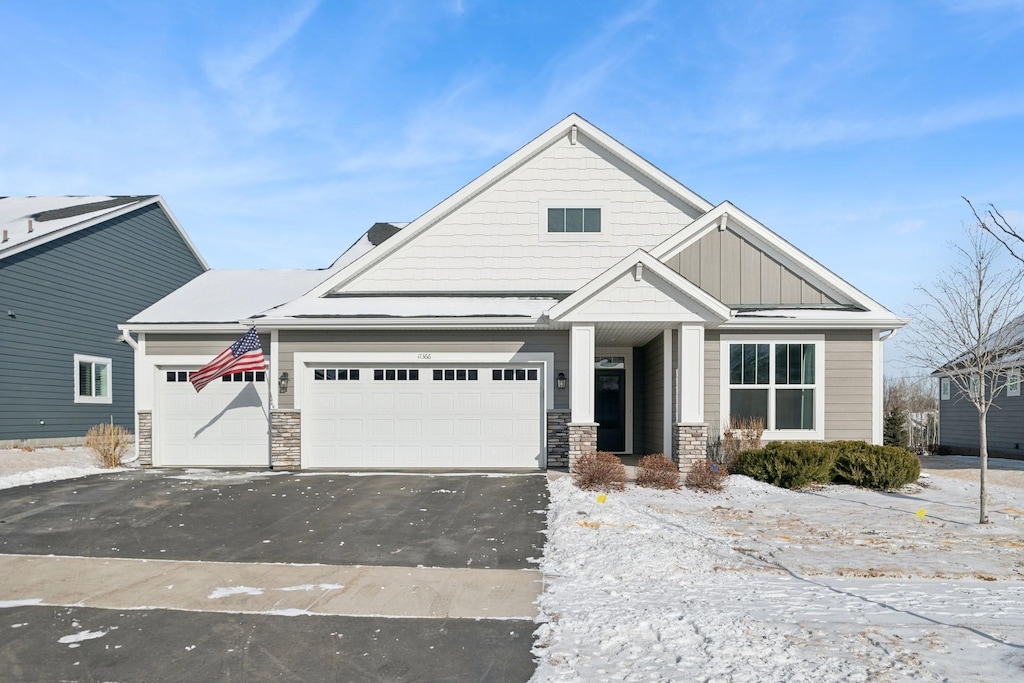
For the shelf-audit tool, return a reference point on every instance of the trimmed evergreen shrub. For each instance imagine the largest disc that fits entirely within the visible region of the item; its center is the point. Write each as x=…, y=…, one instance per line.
x=599, y=472
x=877, y=467
x=788, y=464
x=657, y=471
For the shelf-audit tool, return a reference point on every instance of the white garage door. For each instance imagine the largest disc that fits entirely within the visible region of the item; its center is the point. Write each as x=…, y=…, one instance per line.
x=378, y=416
x=224, y=425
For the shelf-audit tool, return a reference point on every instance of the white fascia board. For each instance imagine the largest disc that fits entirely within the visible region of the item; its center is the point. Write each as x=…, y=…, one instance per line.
x=265, y=325
x=488, y=179
x=186, y=327
x=815, y=323
x=564, y=308
x=771, y=243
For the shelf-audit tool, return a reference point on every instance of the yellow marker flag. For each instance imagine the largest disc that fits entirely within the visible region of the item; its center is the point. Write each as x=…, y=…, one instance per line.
x=921, y=513
x=601, y=498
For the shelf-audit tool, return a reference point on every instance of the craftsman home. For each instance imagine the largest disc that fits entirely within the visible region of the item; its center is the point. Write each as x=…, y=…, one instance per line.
x=573, y=297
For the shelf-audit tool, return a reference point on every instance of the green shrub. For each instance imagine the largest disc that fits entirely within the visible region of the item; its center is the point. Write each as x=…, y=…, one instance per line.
x=877, y=467
x=793, y=465
x=599, y=472
x=657, y=471
x=789, y=464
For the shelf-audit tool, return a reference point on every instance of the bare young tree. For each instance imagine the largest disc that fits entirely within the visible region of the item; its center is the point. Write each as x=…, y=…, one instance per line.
x=995, y=224
x=968, y=326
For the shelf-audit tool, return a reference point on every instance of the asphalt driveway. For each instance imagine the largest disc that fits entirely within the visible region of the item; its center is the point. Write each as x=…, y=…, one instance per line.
x=244, y=575
x=476, y=521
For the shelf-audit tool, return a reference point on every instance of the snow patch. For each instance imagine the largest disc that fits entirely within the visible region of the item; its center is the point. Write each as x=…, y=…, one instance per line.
x=227, y=591
x=20, y=603
x=80, y=636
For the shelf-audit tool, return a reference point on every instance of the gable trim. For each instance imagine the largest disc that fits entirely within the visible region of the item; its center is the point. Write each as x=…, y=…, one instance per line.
x=517, y=159
x=641, y=260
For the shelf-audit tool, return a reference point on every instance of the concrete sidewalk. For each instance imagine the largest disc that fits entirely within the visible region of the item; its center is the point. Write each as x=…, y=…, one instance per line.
x=261, y=588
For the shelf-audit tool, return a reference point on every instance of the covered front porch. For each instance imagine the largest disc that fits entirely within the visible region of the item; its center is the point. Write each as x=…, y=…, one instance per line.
x=636, y=360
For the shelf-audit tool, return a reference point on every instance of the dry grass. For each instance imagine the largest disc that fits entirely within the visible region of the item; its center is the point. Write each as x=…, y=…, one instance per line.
x=657, y=471
x=109, y=443
x=599, y=472
x=742, y=434
x=706, y=476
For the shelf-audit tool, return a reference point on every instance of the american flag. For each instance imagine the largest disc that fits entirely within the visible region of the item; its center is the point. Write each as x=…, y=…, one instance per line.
x=245, y=354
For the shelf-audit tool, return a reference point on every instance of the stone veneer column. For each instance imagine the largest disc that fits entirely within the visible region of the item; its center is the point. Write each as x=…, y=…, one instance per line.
x=144, y=439
x=582, y=439
x=558, y=438
x=690, y=445
x=285, y=439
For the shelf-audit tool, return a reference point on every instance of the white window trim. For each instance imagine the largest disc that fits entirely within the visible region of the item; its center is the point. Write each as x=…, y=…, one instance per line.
x=944, y=390
x=816, y=434
x=571, y=203
x=1013, y=383
x=974, y=388
x=109, y=398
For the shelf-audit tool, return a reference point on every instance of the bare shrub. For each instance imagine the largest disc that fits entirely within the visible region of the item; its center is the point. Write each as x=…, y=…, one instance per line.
x=599, y=472
x=742, y=434
x=706, y=476
x=108, y=443
x=657, y=471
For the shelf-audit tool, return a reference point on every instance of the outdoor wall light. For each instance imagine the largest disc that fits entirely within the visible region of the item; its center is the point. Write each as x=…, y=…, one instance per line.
x=560, y=380
x=282, y=383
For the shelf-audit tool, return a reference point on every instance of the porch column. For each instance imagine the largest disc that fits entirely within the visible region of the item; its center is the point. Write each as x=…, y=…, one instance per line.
x=582, y=428
x=691, y=432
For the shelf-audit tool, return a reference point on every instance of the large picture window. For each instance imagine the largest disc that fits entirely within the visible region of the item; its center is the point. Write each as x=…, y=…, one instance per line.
x=92, y=379
x=776, y=381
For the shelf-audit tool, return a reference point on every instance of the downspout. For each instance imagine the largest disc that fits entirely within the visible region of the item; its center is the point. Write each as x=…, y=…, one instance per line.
x=127, y=339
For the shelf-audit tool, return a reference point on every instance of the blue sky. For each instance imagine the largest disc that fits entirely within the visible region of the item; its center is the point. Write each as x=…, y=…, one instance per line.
x=278, y=131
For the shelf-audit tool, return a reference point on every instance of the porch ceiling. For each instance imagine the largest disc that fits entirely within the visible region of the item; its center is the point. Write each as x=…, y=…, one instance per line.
x=627, y=333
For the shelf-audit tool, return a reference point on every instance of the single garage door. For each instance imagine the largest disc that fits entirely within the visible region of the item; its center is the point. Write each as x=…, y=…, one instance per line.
x=471, y=416
x=224, y=425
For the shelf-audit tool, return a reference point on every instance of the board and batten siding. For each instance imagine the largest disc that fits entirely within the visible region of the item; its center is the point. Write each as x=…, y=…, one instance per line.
x=847, y=382
x=958, y=424
x=737, y=273
x=67, y=297
x=422, y=341
x=498, y=240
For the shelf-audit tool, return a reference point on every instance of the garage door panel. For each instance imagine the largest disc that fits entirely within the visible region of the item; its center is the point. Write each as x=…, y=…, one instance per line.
x=226, y=425
x=426, y=420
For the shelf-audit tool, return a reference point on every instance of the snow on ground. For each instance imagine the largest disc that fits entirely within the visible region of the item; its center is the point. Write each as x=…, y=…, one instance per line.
x=20, y=467
x=763, y=584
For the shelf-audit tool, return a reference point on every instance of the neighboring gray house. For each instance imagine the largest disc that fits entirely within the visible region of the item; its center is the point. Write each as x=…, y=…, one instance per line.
x=572, y=297
x=71, y=269
x=958, y=418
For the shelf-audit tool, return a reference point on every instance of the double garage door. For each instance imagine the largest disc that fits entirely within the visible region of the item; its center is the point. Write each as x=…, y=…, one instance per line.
x=361, y=416
x=467, y=416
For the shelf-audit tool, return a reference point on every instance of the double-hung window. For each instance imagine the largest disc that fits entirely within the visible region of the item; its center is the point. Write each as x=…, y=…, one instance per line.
x=1013, y=383
x=92, y=379
x=777, y=381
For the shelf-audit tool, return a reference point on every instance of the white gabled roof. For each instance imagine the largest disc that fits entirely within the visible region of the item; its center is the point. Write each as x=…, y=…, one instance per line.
x=708, y=308
x=53, y=217
x=228, y=296
x=502, y=169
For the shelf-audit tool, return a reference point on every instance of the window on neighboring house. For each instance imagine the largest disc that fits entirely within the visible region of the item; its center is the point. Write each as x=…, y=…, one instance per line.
x=1013, y=383
x=778, y=382
x=574, y=220
x=975, y=385
x=944, y=390
x=92, y=379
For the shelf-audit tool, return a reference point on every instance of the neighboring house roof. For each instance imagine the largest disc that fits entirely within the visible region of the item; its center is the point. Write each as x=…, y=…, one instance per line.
x=29, y=222
x=375, y=236
x=229, y=296
x=1009, y=338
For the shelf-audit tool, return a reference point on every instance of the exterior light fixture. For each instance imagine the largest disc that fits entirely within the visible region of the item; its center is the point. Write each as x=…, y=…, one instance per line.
x=282, y=383
x=560, y=380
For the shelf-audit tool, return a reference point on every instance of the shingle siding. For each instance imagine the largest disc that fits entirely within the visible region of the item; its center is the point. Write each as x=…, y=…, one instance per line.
x=68, y=296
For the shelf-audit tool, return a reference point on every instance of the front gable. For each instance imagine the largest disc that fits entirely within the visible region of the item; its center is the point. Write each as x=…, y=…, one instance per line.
x=493, y=235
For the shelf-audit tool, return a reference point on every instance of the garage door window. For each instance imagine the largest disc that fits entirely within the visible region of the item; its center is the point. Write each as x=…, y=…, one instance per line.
x=456, y=375
x=258, y=376
x=177, y=376
x=396, y=375
x=513, y=375
x=335, y=374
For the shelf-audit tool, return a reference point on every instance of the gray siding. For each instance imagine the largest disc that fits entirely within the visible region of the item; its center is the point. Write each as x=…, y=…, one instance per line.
x=958, y=424
x=654, y=386
x=733, y=270
x=423, y=341
x=68, y=296
x=712, y=381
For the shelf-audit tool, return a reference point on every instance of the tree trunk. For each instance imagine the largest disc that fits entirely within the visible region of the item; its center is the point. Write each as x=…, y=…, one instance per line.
x=983, y=457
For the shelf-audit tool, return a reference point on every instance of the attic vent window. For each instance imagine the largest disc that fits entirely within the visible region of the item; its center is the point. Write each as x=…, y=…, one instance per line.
x=574, y=220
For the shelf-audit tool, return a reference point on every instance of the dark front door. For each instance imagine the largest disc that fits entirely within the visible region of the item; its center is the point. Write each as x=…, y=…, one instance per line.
x=610, y=410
